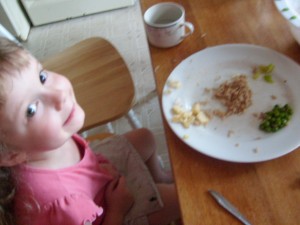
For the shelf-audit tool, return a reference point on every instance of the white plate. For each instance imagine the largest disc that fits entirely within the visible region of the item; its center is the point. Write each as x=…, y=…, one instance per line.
x=208, y=69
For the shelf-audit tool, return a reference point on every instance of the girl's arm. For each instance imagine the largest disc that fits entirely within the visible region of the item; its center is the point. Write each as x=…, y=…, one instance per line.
x=119, y=200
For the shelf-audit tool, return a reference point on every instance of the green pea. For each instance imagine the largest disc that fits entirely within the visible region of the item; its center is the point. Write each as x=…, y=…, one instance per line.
x=276, y=119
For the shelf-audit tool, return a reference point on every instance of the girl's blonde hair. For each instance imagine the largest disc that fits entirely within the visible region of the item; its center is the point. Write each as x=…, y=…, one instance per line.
x=13, y=58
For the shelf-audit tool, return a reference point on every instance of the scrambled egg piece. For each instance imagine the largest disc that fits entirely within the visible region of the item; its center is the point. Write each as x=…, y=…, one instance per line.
x=172, y=85
x=195, y=116
x=175, y=84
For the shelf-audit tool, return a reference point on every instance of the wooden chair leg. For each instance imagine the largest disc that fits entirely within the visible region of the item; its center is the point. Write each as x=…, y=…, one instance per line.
x=133, y=120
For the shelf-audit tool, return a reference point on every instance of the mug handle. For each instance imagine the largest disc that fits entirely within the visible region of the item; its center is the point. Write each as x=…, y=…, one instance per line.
x=190, y=27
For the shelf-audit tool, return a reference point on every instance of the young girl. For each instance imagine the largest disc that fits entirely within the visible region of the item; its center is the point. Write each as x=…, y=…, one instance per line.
x=50, y=176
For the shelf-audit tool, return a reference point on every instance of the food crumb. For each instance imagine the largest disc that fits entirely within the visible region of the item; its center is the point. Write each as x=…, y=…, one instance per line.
x=156, y=68
x=255, y=115
x=207, y=90
x=174, y=84
x=237, y=145
x=230, y=133
x=255, y=150
x=185, y=137
x=168, y=91
x=273, y=97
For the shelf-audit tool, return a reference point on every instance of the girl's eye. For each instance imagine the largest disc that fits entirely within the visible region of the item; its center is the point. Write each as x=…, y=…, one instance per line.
x=43, y=76
x=31, y=110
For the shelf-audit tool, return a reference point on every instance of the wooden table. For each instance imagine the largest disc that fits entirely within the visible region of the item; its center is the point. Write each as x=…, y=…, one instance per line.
x=268, y=193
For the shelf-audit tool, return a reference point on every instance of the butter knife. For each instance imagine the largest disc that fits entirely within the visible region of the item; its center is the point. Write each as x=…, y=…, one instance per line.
x=228, y=206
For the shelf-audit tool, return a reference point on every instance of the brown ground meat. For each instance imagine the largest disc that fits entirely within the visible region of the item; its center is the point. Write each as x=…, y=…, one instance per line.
x=235, y=95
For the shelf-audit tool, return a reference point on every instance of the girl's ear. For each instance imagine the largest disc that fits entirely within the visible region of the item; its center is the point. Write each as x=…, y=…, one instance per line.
x=8, y=159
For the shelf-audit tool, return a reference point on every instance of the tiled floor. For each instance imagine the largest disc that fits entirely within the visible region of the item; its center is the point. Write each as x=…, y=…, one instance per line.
x=125, y=30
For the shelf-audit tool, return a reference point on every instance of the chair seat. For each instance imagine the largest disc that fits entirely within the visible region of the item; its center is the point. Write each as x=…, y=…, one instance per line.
x=102, y=82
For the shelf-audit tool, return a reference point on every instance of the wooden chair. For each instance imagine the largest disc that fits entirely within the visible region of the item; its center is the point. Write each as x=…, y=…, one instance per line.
x=102, y=82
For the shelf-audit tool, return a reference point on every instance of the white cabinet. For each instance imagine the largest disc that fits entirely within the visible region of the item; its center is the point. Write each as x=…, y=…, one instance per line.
x=47, y=11
x=12, y=19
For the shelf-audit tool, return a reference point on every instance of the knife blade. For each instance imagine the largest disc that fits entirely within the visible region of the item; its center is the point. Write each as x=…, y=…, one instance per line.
x=228, y=206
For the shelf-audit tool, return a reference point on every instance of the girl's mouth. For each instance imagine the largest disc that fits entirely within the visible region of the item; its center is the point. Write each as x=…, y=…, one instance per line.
x=71, y=115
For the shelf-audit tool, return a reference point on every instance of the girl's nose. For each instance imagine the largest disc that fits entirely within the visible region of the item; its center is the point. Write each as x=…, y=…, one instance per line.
x=57, y=97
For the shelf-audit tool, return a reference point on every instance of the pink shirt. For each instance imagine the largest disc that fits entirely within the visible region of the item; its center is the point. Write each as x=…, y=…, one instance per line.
x=68, y=196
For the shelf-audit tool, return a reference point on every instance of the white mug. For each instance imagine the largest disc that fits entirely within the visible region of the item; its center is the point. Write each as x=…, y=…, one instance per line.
x=165, y=24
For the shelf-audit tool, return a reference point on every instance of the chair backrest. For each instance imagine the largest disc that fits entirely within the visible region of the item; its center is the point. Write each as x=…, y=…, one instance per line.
x=102, y=82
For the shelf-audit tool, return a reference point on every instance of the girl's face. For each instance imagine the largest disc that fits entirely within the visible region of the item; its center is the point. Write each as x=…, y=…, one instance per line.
x=40, y=112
